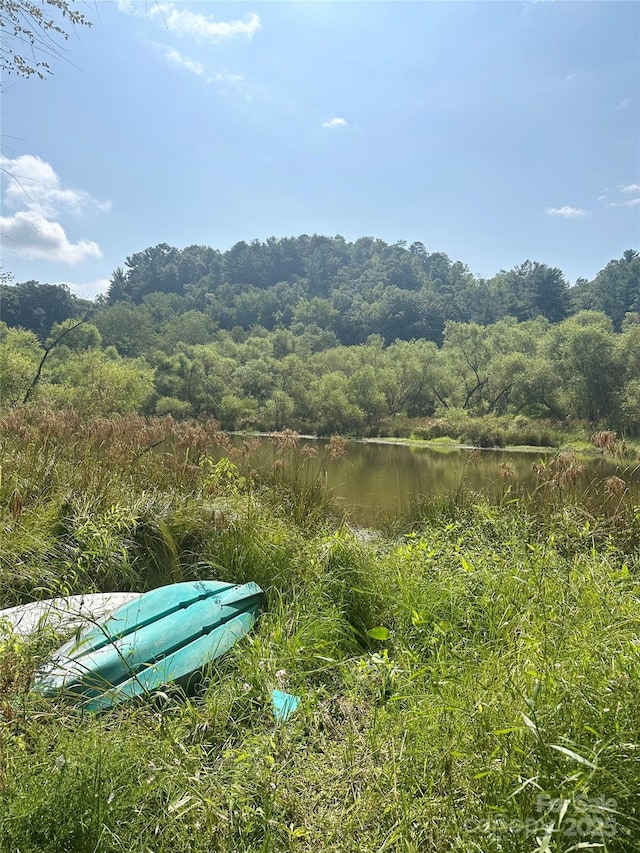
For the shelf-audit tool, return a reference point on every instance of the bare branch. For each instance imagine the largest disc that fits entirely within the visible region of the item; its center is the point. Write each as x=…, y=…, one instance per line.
x=47, y=350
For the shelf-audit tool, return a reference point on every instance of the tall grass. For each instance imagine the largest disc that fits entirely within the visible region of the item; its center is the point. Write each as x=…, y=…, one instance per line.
x=496, y=711
x=296, y=479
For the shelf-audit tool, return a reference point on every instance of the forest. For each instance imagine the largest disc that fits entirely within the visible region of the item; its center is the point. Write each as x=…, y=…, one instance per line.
x=466, y=670
x=322, y=335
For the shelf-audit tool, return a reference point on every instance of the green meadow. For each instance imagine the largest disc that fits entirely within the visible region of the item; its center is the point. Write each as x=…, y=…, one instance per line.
x=468, y=671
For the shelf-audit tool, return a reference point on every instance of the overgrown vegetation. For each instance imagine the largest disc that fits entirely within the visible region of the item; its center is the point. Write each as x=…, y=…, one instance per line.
x=321, y=335
x=506, y=383
x=468, y=677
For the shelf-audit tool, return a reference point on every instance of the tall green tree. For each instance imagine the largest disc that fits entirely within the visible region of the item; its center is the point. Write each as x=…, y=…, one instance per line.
x=531, y=290
x=615, y=290
x=334, y=409
x=127, y=327
x=407, y=377
x=37, y=307
x=583, y=349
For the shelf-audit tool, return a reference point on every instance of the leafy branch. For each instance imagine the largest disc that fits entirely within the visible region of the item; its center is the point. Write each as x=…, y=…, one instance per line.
x=34, y=28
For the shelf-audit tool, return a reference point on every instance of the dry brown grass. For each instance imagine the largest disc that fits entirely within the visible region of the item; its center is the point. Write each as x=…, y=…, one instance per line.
x=609, y=443
x=563, y=470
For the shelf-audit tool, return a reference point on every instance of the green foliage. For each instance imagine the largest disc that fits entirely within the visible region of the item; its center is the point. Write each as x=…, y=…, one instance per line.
x=585, y=354
x=96, y=383
x=30, y=31
x=529, y=291
x=615, y=290
x=36, y=306
x=350, y=289
x=336, y=410
x=320, y=335
x=74, y=336
x=20, y=354
x=128, y=328
x=578, y=369
x=489, y=430
x=466, y=681
x=322, y=286
x=630, y=406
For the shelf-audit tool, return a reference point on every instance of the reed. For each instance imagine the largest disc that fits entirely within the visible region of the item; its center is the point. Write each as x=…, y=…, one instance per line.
x=468, y=677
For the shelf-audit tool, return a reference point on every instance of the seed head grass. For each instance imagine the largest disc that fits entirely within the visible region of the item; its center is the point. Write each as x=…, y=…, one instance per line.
x=467, y=676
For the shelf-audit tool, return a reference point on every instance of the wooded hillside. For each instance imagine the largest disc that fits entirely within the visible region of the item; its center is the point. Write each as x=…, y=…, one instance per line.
x=325, y=335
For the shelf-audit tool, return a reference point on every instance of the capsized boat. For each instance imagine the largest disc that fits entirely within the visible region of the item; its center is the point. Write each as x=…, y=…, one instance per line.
x=164, y=636
x=62, y=614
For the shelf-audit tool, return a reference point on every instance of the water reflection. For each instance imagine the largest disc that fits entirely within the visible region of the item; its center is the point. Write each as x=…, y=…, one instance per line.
x=375, y=480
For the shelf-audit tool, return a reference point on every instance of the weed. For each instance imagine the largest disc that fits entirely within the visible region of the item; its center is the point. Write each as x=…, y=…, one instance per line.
x=467, y=678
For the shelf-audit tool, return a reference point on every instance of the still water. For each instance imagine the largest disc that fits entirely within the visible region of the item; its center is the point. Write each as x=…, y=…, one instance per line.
x=372, y=481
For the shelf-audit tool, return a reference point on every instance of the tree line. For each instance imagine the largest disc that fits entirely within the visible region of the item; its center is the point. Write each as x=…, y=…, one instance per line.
x=328, y=336
x=348, y=290
x=361, y=288
x=576, y=370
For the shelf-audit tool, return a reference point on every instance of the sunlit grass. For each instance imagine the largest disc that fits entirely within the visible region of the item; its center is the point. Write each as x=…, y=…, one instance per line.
x=499, y=712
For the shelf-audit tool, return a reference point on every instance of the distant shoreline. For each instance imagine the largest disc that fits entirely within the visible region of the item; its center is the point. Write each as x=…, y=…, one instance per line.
x=440, y=444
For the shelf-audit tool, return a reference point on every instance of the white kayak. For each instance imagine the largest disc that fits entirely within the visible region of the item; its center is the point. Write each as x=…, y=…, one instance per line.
x=61, y=614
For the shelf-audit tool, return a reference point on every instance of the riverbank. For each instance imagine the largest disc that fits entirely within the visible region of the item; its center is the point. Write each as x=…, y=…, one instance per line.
x=579, y=446
x=467, y=676
x=461, y=431
x=451, y=444
x=512, y=433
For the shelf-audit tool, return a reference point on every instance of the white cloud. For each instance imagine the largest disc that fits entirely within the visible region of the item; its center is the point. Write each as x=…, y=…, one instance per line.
x=193, y=24
x=204, y=28
x=89, y=289
x=32, y=183
x=621, y=105
x=621, y=191
x=179, y=60
x=235, y=84
x=30, y=235
x=575, y=76
x=222, y=80
x=223, y=77
x=566, y=212
x=335, y=122
x=35, y=191
x=630, y=202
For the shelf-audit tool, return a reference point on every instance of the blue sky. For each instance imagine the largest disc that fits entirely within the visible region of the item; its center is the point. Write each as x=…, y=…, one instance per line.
x=494, y=132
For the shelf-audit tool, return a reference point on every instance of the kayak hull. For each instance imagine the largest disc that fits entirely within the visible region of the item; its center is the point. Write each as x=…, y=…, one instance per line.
x=165, y=636
x=62, y=614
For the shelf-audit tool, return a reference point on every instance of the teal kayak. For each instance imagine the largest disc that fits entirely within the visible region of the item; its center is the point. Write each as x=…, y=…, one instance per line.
x=164, y=636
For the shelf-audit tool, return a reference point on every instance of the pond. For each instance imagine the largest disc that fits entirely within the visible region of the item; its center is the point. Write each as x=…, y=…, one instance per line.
x=376, y=480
